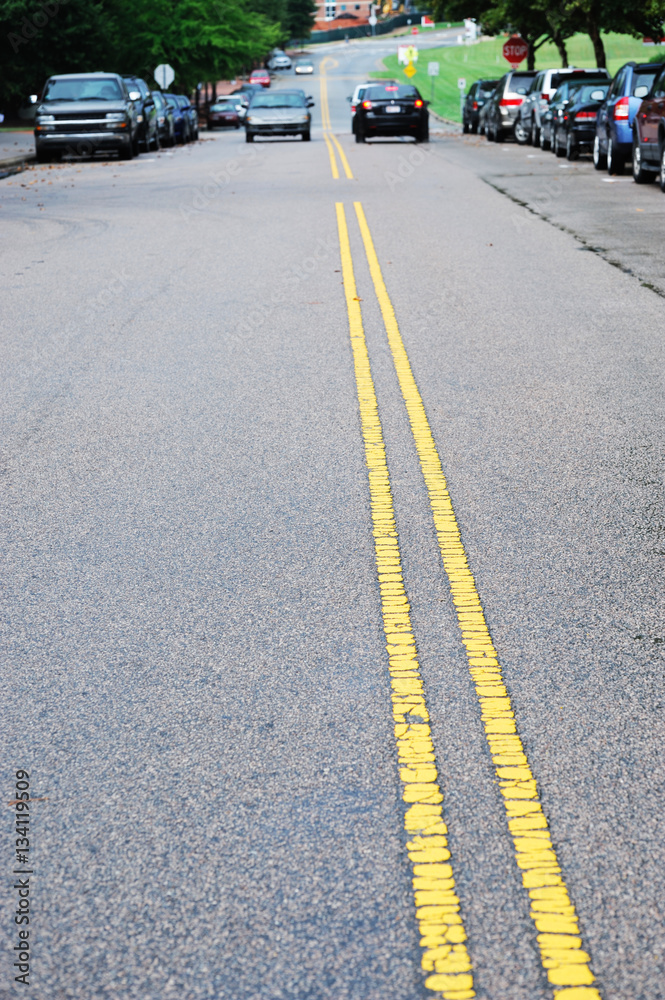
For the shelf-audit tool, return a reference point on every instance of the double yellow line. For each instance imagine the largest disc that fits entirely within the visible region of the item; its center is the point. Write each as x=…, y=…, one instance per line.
x=332, y=141
x=438, y=909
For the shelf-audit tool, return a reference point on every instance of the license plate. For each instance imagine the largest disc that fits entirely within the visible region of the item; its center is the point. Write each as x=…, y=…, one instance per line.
x=393, y=109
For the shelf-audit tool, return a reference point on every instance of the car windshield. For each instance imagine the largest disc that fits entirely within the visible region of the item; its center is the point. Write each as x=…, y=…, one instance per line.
x=85, y=89
x=389, y=93
x=278, y=101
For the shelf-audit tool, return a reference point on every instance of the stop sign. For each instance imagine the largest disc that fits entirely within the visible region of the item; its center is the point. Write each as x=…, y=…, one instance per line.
x=515, y=51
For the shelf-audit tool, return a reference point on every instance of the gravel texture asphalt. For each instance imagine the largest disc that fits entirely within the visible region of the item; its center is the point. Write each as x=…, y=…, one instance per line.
x=194, y=662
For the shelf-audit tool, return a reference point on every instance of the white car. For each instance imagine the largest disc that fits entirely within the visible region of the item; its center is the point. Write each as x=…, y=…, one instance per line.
x=304, y=66
x=279, y=60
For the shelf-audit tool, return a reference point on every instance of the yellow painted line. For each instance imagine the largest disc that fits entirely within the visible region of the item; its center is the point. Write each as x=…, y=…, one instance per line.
x=566, y=963
x=342, y=156
x=331, y=140
x=437, y=905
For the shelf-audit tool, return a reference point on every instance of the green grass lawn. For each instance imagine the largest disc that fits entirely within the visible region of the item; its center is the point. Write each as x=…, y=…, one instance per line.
x=484, y=59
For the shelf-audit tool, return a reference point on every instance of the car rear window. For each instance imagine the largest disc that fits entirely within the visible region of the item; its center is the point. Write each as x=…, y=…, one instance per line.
x=519, y=84
x=583, y=94
x=641, y=80
x=389, y=92
x=86, y=89
x=224, y=106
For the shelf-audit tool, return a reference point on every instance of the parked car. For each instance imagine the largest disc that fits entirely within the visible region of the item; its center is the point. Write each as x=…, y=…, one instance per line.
x=479, y=93
x=82, y=113
x=261, y=76
x=560, y=101
x=180, y=119
x=503, y=106
x=482, y=114
x=613, y=142
x=224, y=113
x=191, y=117
x=649, y=135
x=286, y=112
x=304, y=67
x=541, y=91
x=279, y=60
x=391, y=109
x=139, y=93
x=165, y=121
x=576, y=130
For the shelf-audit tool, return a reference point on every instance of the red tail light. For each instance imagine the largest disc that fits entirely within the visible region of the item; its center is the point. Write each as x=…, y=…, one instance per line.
x=585, y=116
x=510, y=102
x=392, y=88
x=545, y=97
x=475, y=105
x=353, y=107
x=367, y=104
x=621, y=109
x=418, y=103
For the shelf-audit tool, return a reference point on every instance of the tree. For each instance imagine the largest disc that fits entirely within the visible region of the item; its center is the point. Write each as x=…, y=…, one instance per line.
x=300, y=16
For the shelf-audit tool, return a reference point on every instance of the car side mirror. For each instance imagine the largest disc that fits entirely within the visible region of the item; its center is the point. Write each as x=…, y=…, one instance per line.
x=349, y=98
x=134, y=95
x=310, y=102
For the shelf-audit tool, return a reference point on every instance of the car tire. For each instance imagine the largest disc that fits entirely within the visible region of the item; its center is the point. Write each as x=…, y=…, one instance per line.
x=498, y=135
x=249, y=136
x=465, y=127
x=43, y=156
x=558, y=151
x=126, y=152
x=640, y=175
x=522, y=137
x=360, y=134
x=615, y=163
x=599, y=158
x=535, y=134
x=474, y=128
x=572, y=151
x=661, y=174
x=544, y=143
x=306, y=136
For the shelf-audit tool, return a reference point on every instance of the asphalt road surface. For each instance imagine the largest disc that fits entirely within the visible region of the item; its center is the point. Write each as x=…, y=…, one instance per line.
x=332, y=548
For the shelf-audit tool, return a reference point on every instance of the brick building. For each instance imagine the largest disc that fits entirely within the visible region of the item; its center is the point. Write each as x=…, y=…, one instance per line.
x=341, y=14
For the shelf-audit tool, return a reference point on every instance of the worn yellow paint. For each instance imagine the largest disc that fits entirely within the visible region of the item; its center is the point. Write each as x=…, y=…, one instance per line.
x=552, y=912
x=331, y=140
x=437, y=906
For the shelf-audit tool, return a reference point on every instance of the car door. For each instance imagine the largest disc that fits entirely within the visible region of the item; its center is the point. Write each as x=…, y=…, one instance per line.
x=650, y=115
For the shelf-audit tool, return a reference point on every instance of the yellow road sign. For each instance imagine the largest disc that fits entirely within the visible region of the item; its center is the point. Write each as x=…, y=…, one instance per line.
x=410, y=69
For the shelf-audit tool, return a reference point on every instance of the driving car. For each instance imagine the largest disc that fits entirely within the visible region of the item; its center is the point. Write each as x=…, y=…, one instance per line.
x=279, y=60
x=304, y=67
x=503, y=106
x=649, y=136
x=389, y=109
x=224, y=113
x=82, y=113
x=613, y=142
x=261, y=76
x=139, y=92
x=356, y=98
x=479, y=93
x=286, y=112
x=576, y=128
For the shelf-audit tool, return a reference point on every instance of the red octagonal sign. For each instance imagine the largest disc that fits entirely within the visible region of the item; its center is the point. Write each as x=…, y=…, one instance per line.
x=515, y=51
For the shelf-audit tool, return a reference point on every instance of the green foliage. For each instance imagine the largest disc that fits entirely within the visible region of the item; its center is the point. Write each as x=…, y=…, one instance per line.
x=300, y=18
x=201, y=40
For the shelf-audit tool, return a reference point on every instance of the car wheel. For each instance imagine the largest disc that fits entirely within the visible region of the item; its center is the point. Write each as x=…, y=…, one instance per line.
x=249, y=136
x=535, y=134
x=360, y=134
x=615, y=163
x=572, y=152
x=558, y=150
x=520, y=133
x=127, y=152
x=474, y=128
x=661, y=175
x=640, y=175
x=498, y=135
x=599, y=158
x=306, y=136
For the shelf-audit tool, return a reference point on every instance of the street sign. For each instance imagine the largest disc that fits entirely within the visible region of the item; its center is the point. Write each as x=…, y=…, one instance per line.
x=414, y=31
x=426, y=22
x=372, y=19
x=410, y=70
x=461, y=82
x=515, y=51
x=164, y=75
x=432, y=69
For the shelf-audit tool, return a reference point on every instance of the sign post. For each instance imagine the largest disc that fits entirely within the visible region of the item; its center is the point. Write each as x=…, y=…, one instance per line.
x=461, y=83
x=164, y=75
x=432, y=70
x=515, y=51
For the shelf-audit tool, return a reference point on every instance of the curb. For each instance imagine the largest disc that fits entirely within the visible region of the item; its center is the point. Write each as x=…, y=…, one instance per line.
x=15, y=164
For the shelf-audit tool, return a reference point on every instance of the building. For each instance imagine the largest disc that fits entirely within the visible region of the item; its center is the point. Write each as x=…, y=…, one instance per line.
x=341, y=14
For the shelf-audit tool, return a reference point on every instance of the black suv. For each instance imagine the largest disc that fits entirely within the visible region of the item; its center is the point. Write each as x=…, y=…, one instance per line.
x=82, y=113
x=391, y=109
x=139, y=92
